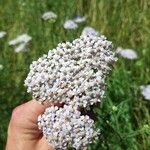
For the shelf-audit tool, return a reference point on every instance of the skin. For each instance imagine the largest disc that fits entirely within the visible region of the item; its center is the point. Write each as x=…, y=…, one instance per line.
x=23, y=132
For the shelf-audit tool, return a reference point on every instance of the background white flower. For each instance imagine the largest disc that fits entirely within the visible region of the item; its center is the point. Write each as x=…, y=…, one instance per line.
x=1, y=67
x=21, y=47
x=49, y=16
x=145, y=90
x=90, y=31
x=2, y=34
x=79, y=19
x=70, y=24
x=24, y=38
x=127, y=53
x=21, y=42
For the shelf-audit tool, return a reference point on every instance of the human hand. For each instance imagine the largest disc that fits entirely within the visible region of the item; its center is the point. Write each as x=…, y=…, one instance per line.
x=23, y=132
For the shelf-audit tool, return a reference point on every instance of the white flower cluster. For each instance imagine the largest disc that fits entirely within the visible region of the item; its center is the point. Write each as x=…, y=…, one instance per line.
x=1, y=67
x=145, y=90
x=73, y=24
x=90, y=31
x=127, y=53
x=66, y=127
x=70, y=24
x=49, y=16
x=21, y=41
x=24, y=38
x=73, y=73
x=2, y=34
x=79, y=19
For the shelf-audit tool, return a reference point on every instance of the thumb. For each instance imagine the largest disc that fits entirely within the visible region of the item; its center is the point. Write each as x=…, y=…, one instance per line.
x=29, y=110
x=26, y=115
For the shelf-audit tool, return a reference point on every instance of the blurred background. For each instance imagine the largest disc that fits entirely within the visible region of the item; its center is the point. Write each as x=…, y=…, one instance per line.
x=124, y=115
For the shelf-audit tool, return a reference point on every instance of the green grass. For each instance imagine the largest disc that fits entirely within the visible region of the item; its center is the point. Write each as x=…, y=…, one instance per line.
x=124, y=115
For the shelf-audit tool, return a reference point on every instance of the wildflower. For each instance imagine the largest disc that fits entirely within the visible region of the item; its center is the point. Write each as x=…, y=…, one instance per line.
x=90, y=31
x=70, y=24
x=21, y=42
x=49, y=16
x=79, y=19
x=73, y=73
x=145, y=90
x=24, y=38
x=127, y=53
x=65, y=127
x=21, y=47
x=1, y=67
x=2, y=34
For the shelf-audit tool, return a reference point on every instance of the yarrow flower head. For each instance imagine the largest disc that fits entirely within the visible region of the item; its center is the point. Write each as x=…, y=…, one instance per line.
x=2, y=34
x=145, y=90
x=49, y=16
x=21, y=41
x=127, y=53
x=79, y=19
x=90, y=31
x=73, y=73
x=70, y=24
x=66, y=127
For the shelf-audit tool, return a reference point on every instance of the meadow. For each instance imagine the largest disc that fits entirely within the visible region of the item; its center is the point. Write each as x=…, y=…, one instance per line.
x=124, y=115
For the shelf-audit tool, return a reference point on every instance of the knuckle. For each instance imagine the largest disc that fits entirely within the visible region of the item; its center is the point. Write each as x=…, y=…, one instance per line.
x=16, y=113
x=17, y=117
